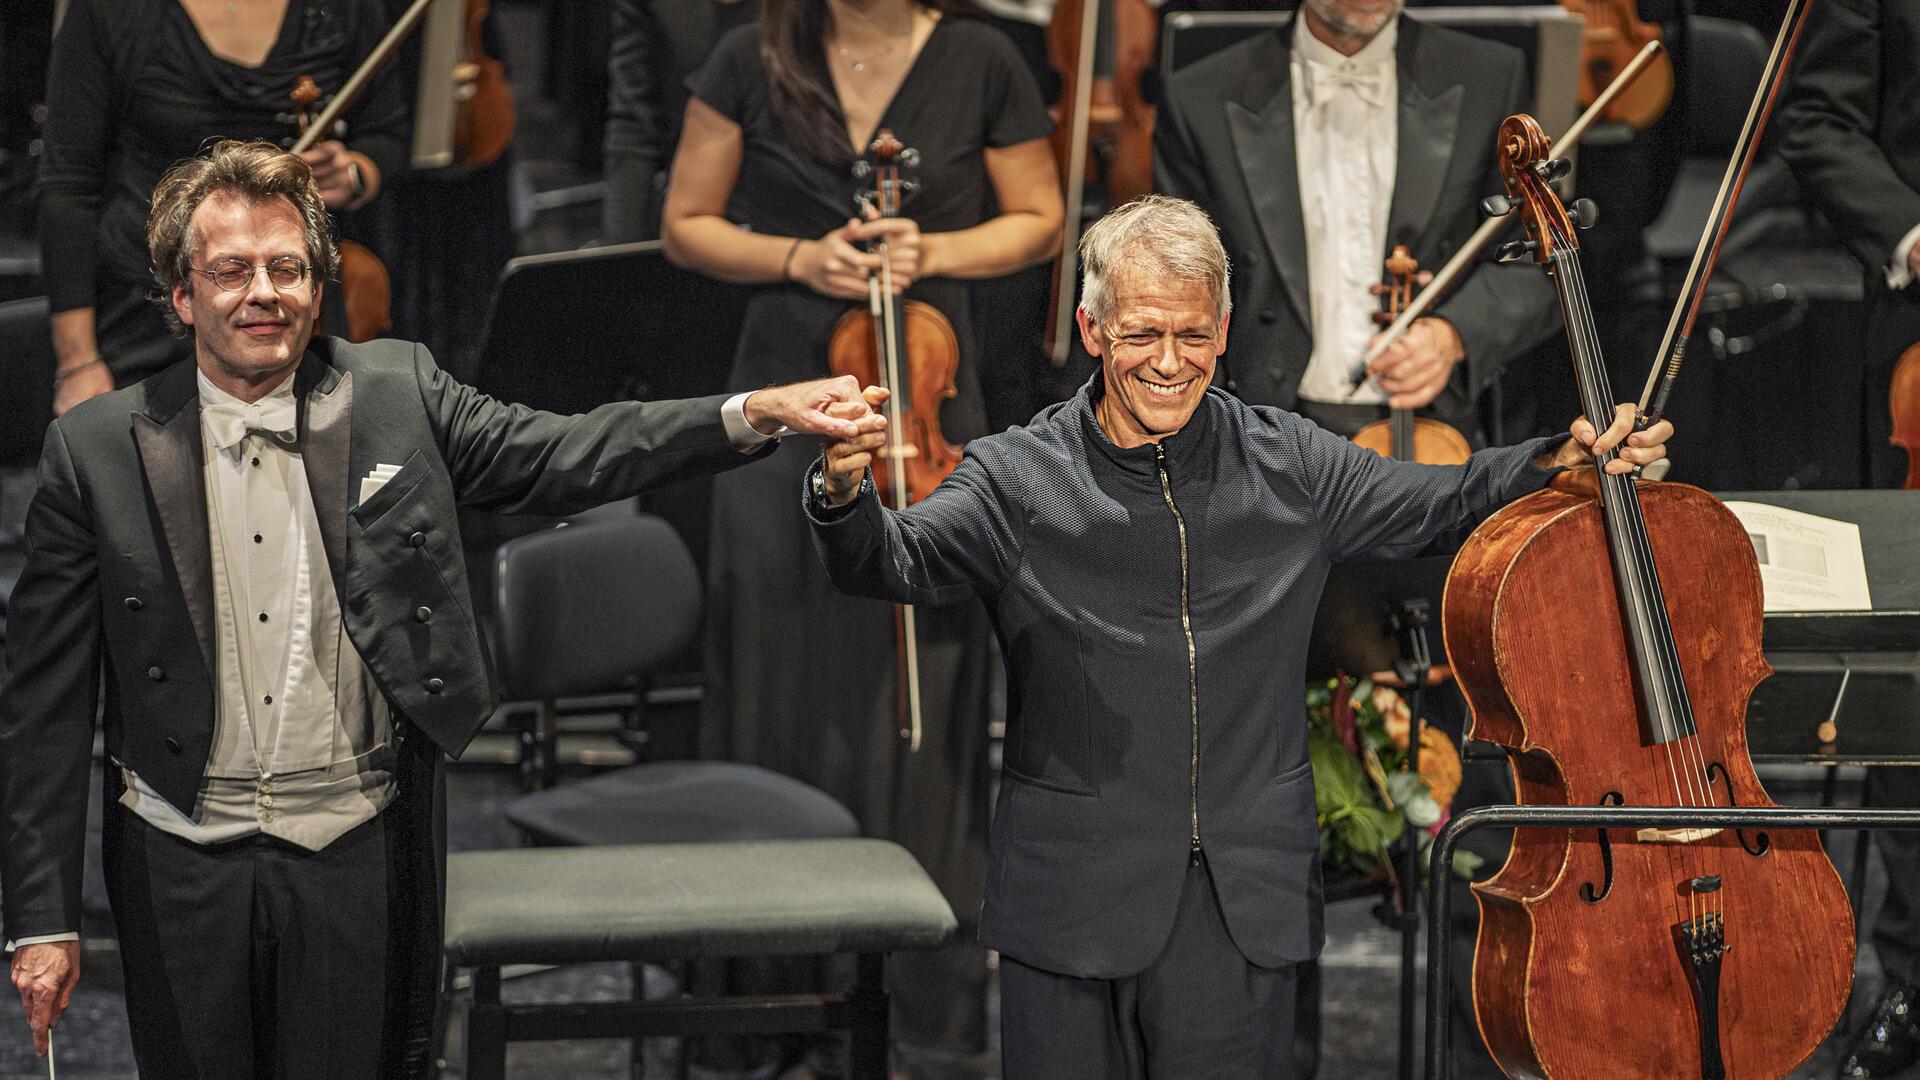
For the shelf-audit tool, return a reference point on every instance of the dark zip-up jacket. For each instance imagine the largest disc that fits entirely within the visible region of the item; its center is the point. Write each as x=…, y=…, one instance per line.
x=1127, y=742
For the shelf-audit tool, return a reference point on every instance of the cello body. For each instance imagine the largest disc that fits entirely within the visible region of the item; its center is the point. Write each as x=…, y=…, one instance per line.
x=1904, y=401
x=1570, y=988
x=1607, y=632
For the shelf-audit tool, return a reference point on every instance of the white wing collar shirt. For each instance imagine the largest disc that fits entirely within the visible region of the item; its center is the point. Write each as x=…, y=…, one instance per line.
x=1345, y=124
x=300, y=733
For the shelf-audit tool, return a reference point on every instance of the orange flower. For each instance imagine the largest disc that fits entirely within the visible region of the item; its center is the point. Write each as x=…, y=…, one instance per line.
x=1439, y=765
x=1393, y=711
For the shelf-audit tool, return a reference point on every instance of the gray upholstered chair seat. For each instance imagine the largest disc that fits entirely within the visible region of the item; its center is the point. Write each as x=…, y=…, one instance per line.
x=682, y=901
x=677, y=802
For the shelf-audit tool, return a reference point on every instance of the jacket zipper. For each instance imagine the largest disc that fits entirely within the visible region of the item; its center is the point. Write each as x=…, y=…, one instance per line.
x=1193, y=656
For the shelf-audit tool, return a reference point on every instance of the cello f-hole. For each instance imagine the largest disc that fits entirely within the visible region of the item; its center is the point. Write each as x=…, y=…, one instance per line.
x=1587, y=892
x=1761, y=844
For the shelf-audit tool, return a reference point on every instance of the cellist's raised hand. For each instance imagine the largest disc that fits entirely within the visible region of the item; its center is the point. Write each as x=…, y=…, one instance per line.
x=834, y=265
x=832, y=407
x=846, y=461
x=1636, y=447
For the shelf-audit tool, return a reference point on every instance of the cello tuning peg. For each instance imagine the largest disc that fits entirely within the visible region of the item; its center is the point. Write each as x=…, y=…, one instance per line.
x=1585, y=213
x=1495, y=206
x=910, y=158
x=1515, y=250
x=1555, y=169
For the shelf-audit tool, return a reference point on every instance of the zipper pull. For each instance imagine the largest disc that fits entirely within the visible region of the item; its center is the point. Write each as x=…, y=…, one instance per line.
x=1193, y=855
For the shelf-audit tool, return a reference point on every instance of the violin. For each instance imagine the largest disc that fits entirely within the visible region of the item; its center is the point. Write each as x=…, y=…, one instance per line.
x=1103, y=128
x=366, y=289
x=1607, y=632
x=910, y=348
x=1613, y=33
x=1904, y=400
x=483, y=115
x=1404, y=436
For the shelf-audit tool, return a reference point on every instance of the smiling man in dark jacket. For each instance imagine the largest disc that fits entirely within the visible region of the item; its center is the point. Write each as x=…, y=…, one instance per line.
x=1152, y=551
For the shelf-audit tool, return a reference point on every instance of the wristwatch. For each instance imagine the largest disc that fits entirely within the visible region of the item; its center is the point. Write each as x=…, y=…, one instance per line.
x=820, y=488
x=356, y=184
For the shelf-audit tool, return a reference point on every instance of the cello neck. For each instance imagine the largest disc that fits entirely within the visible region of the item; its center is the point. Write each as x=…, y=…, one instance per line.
x=1643, y=606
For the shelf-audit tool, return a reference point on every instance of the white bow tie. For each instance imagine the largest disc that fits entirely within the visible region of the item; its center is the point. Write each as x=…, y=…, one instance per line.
x=230, y=421
x=1323, y=81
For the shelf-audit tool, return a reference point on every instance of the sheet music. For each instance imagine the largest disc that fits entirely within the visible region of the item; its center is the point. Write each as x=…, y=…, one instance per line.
x=1807, y=563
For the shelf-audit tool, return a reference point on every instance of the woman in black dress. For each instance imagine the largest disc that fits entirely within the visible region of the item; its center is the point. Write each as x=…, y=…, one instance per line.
x=762, y=192
x=136, y=85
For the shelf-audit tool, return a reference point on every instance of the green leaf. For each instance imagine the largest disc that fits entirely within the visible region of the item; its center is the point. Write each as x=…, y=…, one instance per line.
x=1466, y=864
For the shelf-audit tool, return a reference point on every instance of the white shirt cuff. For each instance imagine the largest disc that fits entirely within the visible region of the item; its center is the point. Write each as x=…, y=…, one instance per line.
x=41, y=939
x=1899, y=272
x=743, y=436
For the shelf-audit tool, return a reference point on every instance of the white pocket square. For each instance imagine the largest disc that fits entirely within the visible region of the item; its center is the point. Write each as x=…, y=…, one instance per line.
x=376, y=480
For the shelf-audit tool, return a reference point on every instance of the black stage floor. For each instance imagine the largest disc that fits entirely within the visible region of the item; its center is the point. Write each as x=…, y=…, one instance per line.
x=1360, y=966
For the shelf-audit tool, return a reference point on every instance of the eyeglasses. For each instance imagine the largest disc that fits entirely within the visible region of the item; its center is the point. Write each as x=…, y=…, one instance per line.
x=235, y=274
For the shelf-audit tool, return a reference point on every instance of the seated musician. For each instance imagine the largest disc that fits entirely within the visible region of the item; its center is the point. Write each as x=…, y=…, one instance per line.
x=1150, y=552
x=1319, y=147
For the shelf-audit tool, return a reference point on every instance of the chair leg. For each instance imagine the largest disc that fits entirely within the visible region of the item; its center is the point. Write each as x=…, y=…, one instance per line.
x=548, y=722
x=868, y=1029
x=486, y=1028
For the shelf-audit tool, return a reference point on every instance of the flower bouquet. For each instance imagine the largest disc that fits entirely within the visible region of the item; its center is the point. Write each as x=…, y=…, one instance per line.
x=1364, y=795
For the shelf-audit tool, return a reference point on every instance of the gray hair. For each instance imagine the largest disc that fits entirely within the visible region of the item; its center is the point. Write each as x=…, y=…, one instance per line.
x=1168, y=236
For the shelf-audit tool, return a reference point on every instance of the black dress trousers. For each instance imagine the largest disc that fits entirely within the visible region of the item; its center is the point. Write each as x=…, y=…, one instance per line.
x=252, y=959
x=1200, y=1011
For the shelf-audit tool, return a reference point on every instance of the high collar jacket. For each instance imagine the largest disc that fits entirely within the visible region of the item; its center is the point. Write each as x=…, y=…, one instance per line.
x=117, y=591
x=1224, y=138
x=1122, y=743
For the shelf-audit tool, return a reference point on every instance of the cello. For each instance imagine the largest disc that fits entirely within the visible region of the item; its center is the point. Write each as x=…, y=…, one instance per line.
x=1402, y=435
x=1622, y=679
x=910, y=348
x=1904, y=402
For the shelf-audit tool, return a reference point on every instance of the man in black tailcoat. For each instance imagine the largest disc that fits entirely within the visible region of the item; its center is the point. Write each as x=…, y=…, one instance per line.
x=255, y=555
x=1319, y=147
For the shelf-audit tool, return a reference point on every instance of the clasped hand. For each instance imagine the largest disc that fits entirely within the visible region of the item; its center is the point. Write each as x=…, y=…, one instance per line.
x=836, y=265
x=1636, y=448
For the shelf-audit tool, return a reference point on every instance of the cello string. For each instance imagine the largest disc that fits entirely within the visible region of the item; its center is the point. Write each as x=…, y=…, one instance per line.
x=1649, y=600
x=1583, y=347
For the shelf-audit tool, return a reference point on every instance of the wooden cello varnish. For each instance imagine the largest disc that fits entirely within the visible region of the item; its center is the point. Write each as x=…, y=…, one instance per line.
x=1608, y=633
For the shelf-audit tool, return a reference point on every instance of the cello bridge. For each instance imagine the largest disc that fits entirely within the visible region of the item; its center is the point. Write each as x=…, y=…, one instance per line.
x=1675, y=836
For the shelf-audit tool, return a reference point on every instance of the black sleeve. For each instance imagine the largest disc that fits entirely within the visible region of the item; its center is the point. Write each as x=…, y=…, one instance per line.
x=634, y=139
x=47, y=709
x=1500, y=310
x=725, y=82
x=1830, y=122
x=79, y=139
x=1015, y=113
x=517, y=460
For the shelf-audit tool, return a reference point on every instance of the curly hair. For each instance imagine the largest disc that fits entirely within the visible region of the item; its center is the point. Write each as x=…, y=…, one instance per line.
x=257, y=171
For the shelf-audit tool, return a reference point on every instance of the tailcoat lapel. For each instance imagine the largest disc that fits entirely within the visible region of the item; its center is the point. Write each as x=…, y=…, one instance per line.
x=325, y=395
x=167, y=432
x=1429, y=112
x=1261, y=121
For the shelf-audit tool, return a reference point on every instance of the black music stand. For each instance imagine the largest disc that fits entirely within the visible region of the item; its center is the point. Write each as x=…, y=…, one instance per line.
x=1385, y=616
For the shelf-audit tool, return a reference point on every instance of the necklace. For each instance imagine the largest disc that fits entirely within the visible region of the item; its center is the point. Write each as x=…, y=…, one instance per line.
x=859, y=63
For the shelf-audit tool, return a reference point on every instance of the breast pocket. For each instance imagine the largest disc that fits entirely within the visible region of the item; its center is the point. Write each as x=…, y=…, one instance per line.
x=392, y=493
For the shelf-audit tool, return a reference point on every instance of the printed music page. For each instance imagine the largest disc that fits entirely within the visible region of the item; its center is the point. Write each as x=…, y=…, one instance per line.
x=1807, y=563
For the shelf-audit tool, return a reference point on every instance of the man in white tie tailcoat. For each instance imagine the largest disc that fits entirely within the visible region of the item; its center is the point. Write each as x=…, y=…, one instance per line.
x=1316, y=149
x=256, y=556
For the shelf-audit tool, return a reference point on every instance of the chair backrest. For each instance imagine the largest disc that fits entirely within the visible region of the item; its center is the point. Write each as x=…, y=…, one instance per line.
x=591, y=608
x=26, y=393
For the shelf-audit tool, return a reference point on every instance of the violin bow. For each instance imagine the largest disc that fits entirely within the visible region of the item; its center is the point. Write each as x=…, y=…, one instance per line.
x=1490, y=227
x=1686, y=310
x=350, y=90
